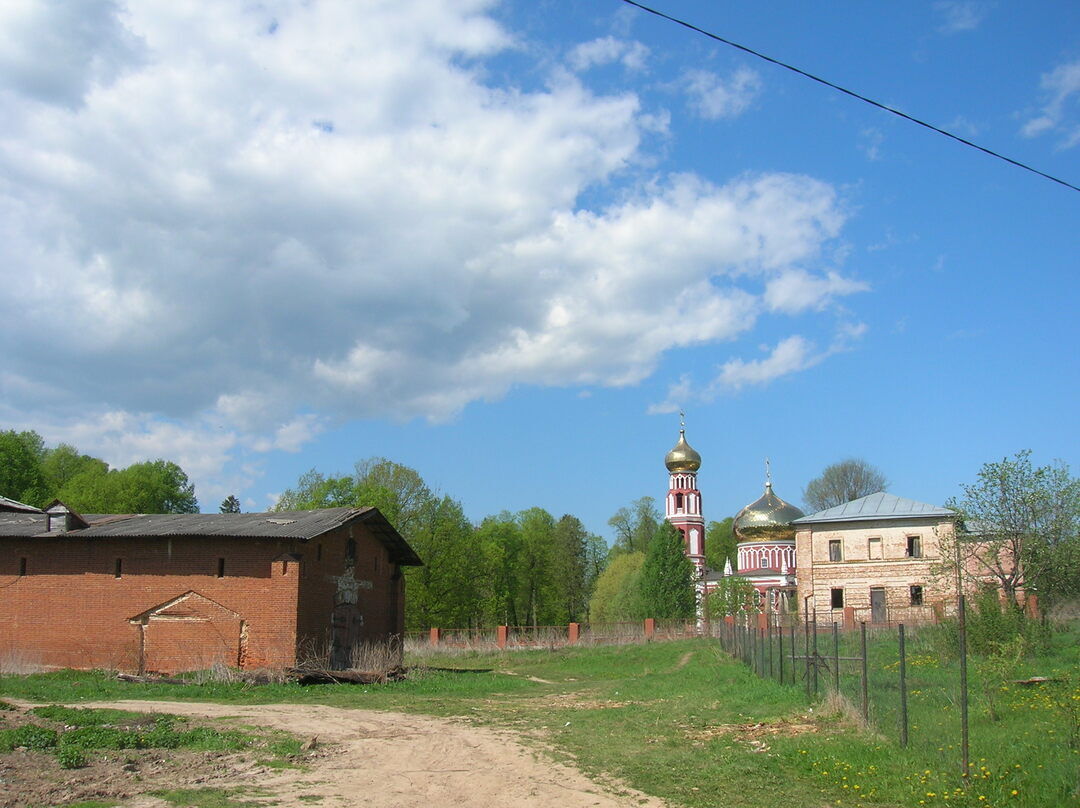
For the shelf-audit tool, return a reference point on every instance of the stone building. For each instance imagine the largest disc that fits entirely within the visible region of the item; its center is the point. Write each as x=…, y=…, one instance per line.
x=173, y=592
x=874, y=556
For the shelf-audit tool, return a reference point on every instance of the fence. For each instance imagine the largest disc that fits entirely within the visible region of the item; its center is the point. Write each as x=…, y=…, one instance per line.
x=874, y=667
x=516, y=637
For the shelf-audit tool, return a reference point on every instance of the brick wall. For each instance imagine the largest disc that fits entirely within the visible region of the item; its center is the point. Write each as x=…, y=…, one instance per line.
x=865, y=565
x=70, y=609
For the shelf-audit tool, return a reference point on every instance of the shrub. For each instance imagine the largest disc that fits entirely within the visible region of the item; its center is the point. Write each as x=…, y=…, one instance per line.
x=30, y=736
x=70, y=757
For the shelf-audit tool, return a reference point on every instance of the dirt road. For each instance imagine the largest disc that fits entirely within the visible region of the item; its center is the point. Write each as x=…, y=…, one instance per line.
x=384, y=760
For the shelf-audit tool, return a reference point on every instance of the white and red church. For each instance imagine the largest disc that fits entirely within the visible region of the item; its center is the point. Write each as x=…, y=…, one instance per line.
x=763, y=530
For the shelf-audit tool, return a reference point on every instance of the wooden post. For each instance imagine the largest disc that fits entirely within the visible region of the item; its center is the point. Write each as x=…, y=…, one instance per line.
x=574, y=631
x=849, y=617
x=500, y=637
x=650, y=627
x=433, y=636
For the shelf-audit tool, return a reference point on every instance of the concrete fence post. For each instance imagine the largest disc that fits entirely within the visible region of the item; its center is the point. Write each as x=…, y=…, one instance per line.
x=433, y=636
x=500, y=637
x=1031, y=605
x=574, y=631
x=650, y=628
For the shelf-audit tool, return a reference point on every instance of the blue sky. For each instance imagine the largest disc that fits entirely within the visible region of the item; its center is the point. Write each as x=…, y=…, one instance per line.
x=504, y=243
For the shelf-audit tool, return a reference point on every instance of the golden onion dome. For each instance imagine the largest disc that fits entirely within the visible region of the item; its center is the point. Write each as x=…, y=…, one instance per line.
x=682, y=457
x=767, y=519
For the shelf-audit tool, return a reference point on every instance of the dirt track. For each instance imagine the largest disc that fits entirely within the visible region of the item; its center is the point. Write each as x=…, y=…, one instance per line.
x=384, y=760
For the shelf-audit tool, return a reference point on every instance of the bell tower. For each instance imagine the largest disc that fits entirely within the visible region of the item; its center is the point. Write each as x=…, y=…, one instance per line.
x=682, y=507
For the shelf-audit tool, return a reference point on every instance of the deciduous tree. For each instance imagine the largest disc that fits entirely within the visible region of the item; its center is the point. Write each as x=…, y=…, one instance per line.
x=1019, y=526
x=842, y=482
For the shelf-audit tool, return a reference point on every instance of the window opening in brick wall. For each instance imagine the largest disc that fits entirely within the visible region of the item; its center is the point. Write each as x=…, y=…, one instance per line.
x=22, y=566
x=914, y=546
x=284, y=567
x=118, y=569
x=350, y=550
x=836, y=550
x=837, y=598
x=874, y=553
x=916, y=595
x=221, y=568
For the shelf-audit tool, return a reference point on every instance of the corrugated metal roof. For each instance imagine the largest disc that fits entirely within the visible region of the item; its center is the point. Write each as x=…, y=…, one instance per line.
x=302, y=525
x=7, y=504
x=874, y=506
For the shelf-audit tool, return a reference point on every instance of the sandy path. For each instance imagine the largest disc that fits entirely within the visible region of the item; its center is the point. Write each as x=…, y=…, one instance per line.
x=405, y=761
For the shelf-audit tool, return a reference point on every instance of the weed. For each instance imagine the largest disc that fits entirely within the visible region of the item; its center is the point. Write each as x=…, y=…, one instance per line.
x=70, y=757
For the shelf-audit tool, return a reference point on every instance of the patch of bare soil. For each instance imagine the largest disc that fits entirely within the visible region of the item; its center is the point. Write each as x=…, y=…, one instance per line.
x=30, y=778
x=754, y=735
x=374, y=759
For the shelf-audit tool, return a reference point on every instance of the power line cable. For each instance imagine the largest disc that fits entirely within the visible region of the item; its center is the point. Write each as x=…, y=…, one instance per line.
x=852, y=93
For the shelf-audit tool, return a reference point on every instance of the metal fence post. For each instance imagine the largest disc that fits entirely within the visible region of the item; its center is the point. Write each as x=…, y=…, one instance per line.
x=865, y=694
x=794, y=674
x=963, y=690
x=836, y=657
x=815, y=655
x=903, y=690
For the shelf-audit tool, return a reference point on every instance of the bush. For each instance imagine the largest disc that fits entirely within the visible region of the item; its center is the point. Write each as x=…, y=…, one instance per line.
x=70, y=757
x=30, y=736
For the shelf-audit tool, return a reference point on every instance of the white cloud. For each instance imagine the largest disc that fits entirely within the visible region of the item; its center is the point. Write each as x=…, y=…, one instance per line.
x=960, y=15
x=58, y=52
x=713, y=97
x=789, y=356
x=796, y=290
x=631, y=54
x=243, y=224
x=1060, y=89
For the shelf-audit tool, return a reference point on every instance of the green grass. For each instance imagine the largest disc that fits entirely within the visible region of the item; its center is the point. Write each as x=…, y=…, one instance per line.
x=208, y=797
x=85, y=731
x=684, y=722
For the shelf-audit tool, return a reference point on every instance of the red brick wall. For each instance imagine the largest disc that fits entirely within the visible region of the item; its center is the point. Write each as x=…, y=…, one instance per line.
x=343, y=603
x=69, y=609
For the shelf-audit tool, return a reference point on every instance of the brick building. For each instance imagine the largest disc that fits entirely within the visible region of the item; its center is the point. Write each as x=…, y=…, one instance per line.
x=173, y=592
x=876, y=555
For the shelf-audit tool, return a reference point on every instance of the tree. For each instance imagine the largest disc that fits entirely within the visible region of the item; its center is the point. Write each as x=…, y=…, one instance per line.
x=21, y=479
x=634, y=526
x=667, y=576
x=842, y=482
x=732, y=595
x=230, y=504
x=62, y=464
x=720, y=545
x=156, y=486
x=617, y=594
x=1018, y=526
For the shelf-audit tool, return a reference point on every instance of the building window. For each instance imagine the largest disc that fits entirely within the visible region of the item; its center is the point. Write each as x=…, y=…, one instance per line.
x=22, y=567
x=836, y=550
x=914, y=547
x=350, y=550
x=678, y=502
x=118, y=568
x=874, y=551
x=221, y=568
x=837, y=598
x=916, y=595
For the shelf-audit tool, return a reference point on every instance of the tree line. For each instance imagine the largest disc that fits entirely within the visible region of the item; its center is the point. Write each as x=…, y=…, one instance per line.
x=36, y=475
